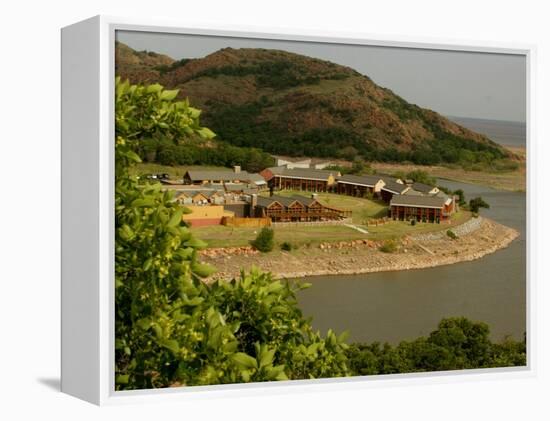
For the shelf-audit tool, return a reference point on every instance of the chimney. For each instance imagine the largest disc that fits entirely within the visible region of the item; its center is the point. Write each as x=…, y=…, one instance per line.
x=237, y=169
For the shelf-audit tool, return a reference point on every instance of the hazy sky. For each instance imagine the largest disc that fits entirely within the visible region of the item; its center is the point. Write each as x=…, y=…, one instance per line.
x=477, y=85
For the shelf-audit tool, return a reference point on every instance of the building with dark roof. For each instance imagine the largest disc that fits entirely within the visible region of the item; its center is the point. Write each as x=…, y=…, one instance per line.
x=294, y=209
x=359, y=185
x=391, y=188
x=424, y=188
x=214, y=176
x=422, y=208
x=199, y=197
x=223, y=177
x=305, y=179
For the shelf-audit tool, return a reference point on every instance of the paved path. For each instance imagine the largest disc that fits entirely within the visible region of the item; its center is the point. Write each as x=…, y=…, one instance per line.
x=361, y=230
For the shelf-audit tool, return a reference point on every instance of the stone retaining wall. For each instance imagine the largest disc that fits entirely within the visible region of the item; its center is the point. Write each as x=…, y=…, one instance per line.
x=473, y=224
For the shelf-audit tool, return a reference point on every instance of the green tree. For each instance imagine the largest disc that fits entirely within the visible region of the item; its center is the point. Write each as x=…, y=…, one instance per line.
x=456, y=344
x=420, y=176
x=478, y=203
x=264, y=241
x=461, y=198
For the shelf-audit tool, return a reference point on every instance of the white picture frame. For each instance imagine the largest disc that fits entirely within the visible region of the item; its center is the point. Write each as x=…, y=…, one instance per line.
x=88, y=213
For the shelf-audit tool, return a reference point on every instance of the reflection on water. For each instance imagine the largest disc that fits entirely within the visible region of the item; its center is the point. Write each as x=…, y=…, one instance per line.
x=395, y=306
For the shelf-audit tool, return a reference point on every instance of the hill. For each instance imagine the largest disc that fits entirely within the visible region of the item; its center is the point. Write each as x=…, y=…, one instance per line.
x=290, y=104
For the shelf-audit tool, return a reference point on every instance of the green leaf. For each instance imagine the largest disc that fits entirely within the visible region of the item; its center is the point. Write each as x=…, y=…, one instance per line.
x=153, y=88
x=230, y=346
x=203, y=270
x=196, y=243
x=147, y=264
x=194, y=301
x=170, y=344
x=279, y=309
x=343, y=336
x=140, y=203
x=275, y=286
x=244, y=360
x=122, y=379
x=185, y=253
x=206, y=133
x=281, y=376
x=133, y=156
x=169, y=95
x=126, y=232
x=144, y=323
x=277, y=373
x=266, y=357
x=176, y=218
x=245, y=374
x=194, y=113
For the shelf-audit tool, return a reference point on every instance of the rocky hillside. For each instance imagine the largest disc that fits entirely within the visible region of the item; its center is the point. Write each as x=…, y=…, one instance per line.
x=295, y=105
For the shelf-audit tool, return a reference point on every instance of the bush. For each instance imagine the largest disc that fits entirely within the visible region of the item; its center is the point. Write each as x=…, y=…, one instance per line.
x=456, y=344
x=461, y=198
x=477, y=203
x=264, y=240
x=172, y=329
x=389, y=246
x=286, y=246
x=420, y=176
x=451, y=234
x=413, y=222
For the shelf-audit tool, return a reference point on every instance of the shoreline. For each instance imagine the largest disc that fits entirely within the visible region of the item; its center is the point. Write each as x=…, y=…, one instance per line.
x=513, y=181
x=476, y=238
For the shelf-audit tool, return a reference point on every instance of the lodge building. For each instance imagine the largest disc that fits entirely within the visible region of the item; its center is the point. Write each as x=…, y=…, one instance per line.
x=223, y=177
x=294, y=209
x=359, y=185
x=391, y=188
x=435, y=208
x=304, y=179
x=199, y=197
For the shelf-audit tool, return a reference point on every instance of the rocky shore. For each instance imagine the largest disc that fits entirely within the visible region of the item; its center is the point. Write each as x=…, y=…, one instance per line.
x=475, y=239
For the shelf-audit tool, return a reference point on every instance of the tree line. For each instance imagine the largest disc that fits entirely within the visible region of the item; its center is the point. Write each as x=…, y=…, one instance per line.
x=222, y=154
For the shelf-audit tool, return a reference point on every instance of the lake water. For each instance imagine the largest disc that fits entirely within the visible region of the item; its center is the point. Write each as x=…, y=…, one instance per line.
x=509, y=133
x=404, y=305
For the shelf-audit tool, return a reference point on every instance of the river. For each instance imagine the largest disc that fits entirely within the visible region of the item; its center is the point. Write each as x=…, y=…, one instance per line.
x=395, y=306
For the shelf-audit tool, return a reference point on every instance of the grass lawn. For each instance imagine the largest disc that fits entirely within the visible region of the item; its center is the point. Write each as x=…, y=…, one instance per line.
x=221, y=236
x=396, y=229
x=362, y=209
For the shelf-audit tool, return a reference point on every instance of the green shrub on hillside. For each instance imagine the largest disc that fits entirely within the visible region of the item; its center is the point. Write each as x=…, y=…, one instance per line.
x=389, y=246
x=264, y=241
x=286, y=246
x=451, y=234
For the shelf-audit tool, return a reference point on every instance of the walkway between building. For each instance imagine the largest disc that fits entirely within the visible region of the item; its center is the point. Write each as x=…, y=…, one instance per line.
x=361, y=230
